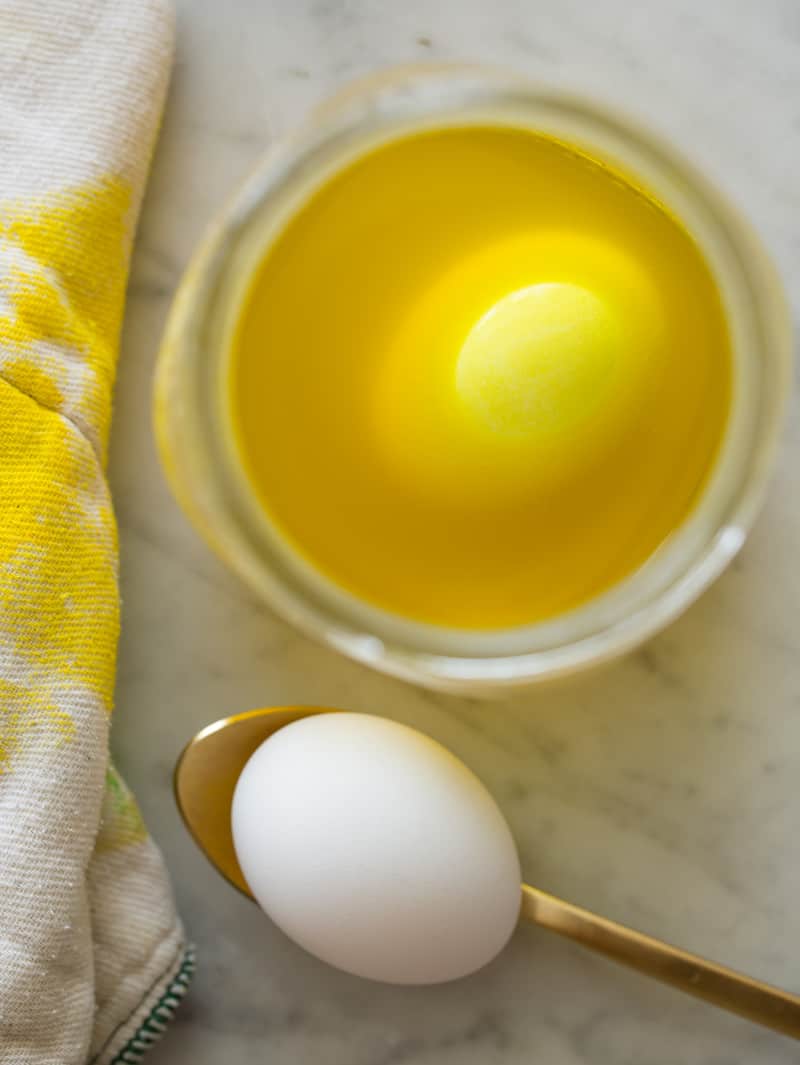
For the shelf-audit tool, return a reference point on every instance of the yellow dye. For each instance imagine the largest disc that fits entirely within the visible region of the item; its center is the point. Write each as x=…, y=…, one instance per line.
x=23, y=712
x=32, y=378
x=72, y=292
x=58, y=590
x=480, y=378
x=60, y=309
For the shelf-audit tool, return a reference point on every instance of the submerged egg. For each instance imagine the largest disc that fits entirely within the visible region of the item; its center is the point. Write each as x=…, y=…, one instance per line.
x=539, y=362
x=376, y=849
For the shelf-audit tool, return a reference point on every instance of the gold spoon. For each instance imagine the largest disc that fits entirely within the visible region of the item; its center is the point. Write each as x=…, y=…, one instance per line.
x=205, y=778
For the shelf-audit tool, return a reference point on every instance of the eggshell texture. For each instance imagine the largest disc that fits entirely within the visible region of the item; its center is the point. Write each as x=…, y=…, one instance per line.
x=376, y=849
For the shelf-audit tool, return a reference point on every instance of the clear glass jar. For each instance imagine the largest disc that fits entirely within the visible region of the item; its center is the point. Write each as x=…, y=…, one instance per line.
x=207, y=477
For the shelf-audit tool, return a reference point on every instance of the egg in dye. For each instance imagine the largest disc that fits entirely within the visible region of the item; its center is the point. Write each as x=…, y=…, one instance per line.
x=479, y=377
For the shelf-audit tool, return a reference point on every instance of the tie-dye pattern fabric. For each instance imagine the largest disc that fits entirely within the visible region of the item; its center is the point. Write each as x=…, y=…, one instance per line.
x=92, y=955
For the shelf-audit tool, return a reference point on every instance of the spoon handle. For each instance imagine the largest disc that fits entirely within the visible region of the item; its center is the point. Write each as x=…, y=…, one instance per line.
x=722, y=987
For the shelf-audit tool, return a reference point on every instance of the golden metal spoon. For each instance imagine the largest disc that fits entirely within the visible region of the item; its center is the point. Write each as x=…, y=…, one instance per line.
x=206, y=775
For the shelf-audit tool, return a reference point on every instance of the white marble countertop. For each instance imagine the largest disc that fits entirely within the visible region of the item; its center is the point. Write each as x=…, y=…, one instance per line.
x=664, y=791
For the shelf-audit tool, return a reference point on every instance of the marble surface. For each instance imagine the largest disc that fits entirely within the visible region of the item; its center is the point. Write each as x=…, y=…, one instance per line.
x=663, y=791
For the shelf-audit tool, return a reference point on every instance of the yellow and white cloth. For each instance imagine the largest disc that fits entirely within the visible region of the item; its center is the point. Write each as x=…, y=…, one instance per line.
x=92, y=955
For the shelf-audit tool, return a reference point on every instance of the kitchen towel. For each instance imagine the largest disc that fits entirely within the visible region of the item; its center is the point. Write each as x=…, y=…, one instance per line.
x=92, y=955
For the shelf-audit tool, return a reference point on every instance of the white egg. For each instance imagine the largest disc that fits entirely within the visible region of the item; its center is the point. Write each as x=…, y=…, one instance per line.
x=376, y=849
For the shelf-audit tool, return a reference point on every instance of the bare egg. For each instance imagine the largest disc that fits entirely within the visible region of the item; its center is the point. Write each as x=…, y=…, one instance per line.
x=376, y=849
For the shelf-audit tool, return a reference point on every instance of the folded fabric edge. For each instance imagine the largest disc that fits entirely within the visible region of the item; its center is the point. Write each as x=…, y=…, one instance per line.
x=157, y=1009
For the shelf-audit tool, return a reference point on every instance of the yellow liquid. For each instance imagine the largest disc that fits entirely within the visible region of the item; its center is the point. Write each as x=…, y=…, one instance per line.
x=479, y=378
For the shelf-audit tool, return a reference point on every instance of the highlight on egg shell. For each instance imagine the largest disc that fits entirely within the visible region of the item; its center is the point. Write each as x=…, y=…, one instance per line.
x=376, y=849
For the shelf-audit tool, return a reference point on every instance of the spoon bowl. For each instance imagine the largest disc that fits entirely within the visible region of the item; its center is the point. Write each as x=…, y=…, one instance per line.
x=206, y=774
x=205, y=779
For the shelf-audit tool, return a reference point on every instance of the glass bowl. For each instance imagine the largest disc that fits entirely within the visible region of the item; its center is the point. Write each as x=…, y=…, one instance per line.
x=208, y=479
